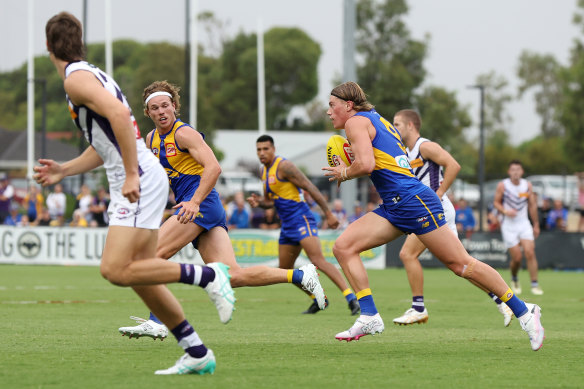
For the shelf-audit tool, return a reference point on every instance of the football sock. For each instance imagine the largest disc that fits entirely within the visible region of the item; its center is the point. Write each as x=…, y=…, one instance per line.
x=534, y=283
x=366, y=302
x=418, y=303
x=517, y=306
x=196, y=275
x=495, y=298
x=154, y=318
x=189, y=340
x=514, y=278
x=295, y=276
x=349, y=295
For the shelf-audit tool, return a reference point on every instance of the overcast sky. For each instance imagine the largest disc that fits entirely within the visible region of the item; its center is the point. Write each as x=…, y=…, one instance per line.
x=468, y=37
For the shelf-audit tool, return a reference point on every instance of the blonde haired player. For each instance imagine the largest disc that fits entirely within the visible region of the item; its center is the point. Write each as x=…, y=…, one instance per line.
x=408, y=207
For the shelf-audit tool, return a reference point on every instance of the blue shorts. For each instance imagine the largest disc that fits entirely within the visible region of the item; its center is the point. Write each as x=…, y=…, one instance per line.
x=211, y=214
x=293, y=232
x=419, y=214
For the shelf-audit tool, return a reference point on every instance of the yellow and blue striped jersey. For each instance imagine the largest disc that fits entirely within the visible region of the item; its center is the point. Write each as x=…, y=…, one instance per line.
x=392, y=176
x=286, y=196
x=182, y=169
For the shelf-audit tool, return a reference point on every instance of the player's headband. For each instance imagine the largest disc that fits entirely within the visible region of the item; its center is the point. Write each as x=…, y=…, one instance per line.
x=159, y=93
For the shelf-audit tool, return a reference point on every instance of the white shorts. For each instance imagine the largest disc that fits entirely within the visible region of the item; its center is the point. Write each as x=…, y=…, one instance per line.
x=514, y=232
x=449, y=214
x=147, y=212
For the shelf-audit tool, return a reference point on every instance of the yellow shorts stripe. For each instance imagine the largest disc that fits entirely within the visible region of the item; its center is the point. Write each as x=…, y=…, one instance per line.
x=431, y=214
x=307, y=225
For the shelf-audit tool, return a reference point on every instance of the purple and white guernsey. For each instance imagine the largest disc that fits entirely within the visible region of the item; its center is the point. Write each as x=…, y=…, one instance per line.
x=427, y=171
x=99, y=133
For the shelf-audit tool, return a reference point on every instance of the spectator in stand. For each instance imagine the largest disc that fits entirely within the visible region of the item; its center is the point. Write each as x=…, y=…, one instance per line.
x=357, y=212
x=340, y=214
x=239, y=216
x=84, y=200
x=57, y=203
x=33, y=202
x=270, y=221
x=6, y=194
x=14, y=217
x=44, y=219
x=465, y=221
x=78, y=219
x=580, y=176
x=557, y=219
x=543, y=213
x=98, y=208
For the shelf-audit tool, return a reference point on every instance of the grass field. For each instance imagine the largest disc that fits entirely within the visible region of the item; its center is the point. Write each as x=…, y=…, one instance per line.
x=59, y=325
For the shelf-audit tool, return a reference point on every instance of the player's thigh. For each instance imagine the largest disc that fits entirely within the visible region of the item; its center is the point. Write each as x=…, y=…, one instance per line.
x=174, y=236
x=312, y=248
x=287, y=254
x=215, y=246
x=446, y=247
x=412, y=248
x=370, y=230
x=126, y=244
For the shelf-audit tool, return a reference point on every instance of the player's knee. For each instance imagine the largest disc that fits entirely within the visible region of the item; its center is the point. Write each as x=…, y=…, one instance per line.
x=113, y=274
x=466, y=270
x=406, y=256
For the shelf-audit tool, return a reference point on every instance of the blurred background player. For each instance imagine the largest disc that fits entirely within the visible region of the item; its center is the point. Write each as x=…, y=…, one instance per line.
x=199, y=217
x=515, y=200
x=138, y=190
x=437, y=169
x=408, y=207
x=283, y=186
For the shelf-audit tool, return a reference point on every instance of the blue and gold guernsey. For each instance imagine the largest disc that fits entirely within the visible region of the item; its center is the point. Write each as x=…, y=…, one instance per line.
x=297, y=220
x=184, y=175
x=407, y=203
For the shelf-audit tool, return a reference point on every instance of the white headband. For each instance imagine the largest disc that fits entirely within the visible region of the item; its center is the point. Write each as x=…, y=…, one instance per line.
x=159, y=93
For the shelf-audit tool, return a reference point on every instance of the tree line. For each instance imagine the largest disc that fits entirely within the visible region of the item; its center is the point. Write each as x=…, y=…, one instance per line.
x=390, y=68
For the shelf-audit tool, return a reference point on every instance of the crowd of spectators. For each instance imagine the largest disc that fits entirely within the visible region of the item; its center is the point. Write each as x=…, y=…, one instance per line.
x=90, y=210
x=34, y=209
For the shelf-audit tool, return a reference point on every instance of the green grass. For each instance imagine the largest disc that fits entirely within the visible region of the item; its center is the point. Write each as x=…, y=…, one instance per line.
x=72, y=342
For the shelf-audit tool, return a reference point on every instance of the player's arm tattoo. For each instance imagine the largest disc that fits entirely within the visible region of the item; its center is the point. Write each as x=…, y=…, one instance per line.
x=294, y=175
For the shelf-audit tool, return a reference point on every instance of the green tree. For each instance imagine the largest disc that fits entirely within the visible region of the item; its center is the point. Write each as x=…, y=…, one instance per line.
x=390, y=65
x=541, y=73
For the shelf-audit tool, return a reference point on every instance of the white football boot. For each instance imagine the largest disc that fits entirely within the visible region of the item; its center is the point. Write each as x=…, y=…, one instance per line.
x=189, y=365
x=220, y=292
x=364, y=325
x=412, y=316
x=148, y=328
x=531, y=323
x=311, y=283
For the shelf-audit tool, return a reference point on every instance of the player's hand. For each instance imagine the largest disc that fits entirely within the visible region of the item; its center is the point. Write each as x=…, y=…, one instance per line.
x=510, y=212
x=332, y=221
x=49, y=173
x=536, y=231
x=188, y=211
x=335, y=173
x=131, y=188
x=253, y=200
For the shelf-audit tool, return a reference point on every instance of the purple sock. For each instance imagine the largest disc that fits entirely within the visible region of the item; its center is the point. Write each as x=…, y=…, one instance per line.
x=189, y=340
x=196, y=275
